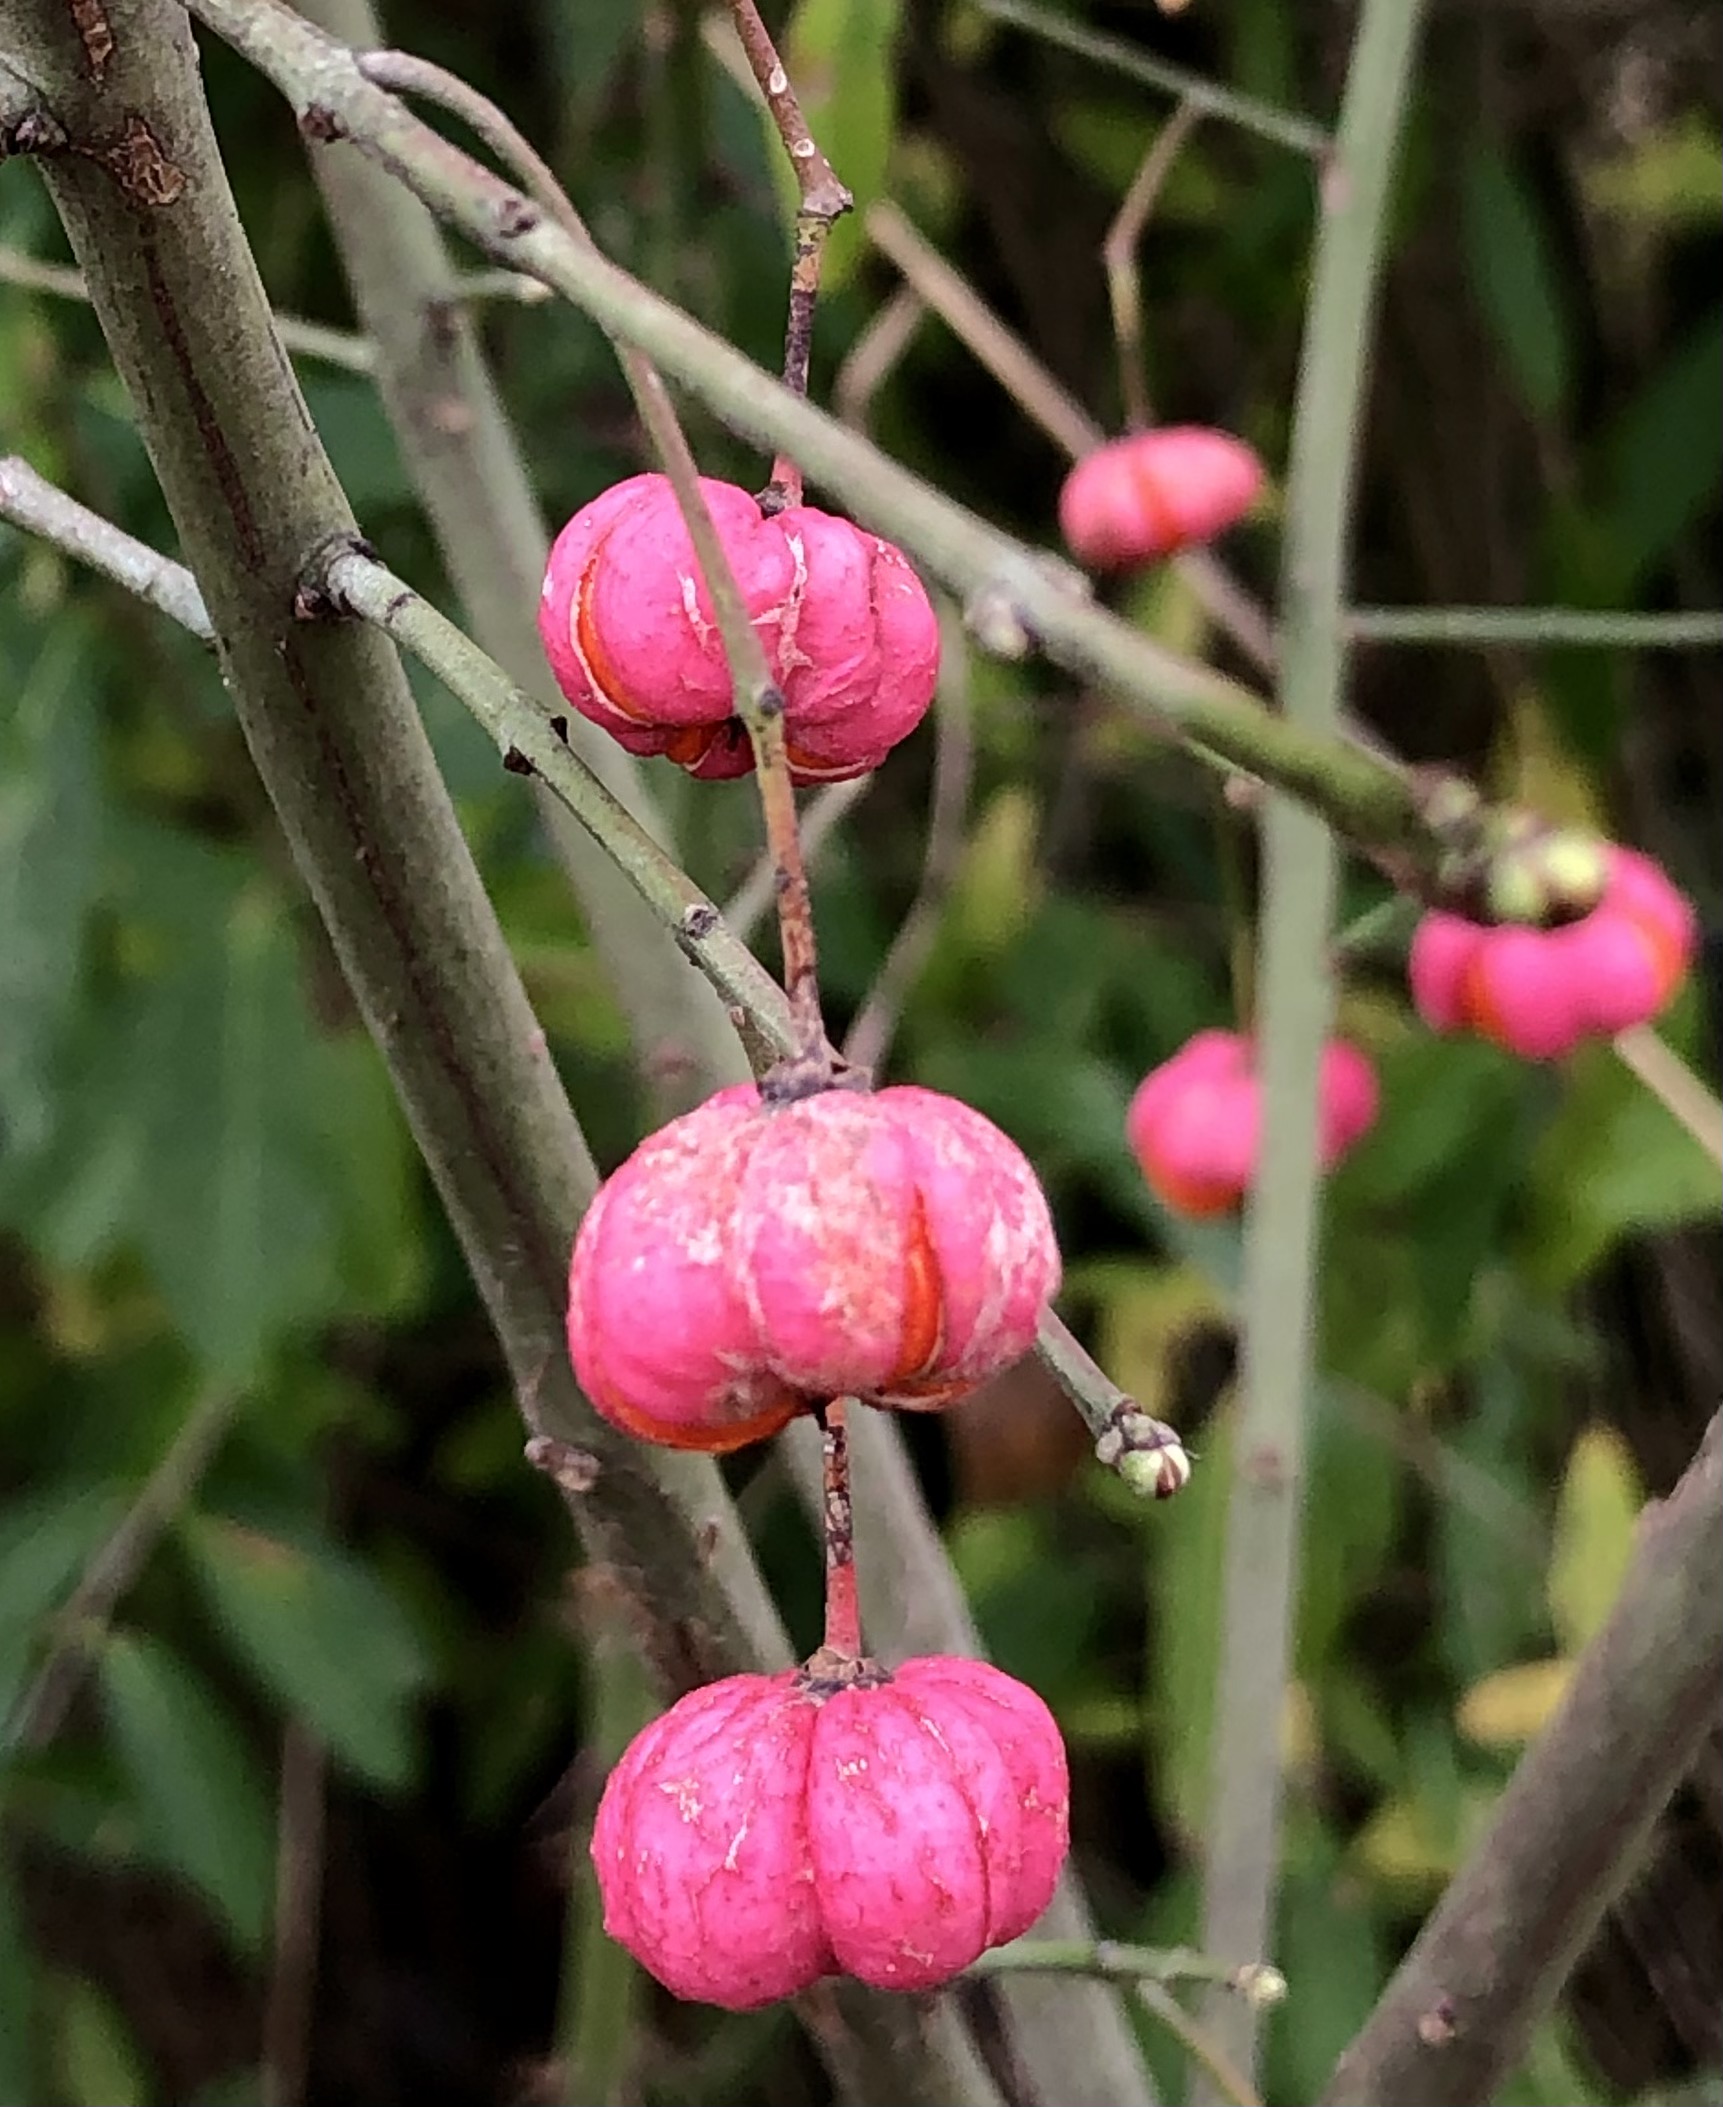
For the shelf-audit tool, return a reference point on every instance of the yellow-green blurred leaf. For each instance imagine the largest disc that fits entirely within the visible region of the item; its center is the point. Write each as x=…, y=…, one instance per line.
x=1600, y=1501
x=1402, y=1847
x=1146, y=1315
x=997, y=885
x=1664, y=181
x=1512, y=1706
x=841, y=60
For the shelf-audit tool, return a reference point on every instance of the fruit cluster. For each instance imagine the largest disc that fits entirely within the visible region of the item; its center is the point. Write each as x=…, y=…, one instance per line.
x=779, y=1250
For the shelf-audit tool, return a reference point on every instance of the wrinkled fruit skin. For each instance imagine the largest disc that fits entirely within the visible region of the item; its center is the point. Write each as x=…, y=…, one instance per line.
x=628, y=627
x=1147, y=495
x=749, y=1259
x=1195, y=1123
x=770, y=1830
x=1540, y=992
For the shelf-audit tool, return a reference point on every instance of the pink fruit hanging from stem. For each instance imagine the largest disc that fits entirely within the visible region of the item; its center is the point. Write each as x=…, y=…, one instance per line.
x=1540, y=992
x=628, y=626
x=1143, y=497
x=754, y=1258
x=771, y=1830
x=1195, y=1123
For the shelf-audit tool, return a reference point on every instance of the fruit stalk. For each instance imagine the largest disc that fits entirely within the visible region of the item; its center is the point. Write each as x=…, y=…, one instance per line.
x=843, y=1609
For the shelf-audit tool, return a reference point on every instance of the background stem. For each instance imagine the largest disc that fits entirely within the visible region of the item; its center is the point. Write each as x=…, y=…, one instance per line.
x=1296, y=1003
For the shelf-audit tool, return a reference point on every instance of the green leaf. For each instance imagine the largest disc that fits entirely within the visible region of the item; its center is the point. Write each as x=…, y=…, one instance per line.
x=44, y=1544
x=50, y=811
x=1594, y=1525
x=1614, y=1160
x=193, y=1778
x=841, y=58
x=17, y=1998
x=1666, y=454
x=95, y=2061
x=1514, y=277
x=1187, y=1548
x=1351, y=1513
x=322, y=1635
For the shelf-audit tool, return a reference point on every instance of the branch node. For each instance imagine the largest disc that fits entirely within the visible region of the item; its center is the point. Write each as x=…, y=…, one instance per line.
x=571, y=1470
x=1144, y=1451
x=37, y=131
x=320, y=125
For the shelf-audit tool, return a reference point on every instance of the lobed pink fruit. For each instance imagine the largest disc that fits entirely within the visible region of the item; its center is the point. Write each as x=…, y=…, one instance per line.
x=1195, y=1123
x=630, y=632
x=1149, y=494
x=751, y=1258
x=1540, y=992
x=771, y=1830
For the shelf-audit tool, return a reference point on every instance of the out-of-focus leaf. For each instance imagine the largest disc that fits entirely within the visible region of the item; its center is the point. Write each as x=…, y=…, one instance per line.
x=93, y=2057
x=1594, y=1525
x=50, y=808
x=1330, y=1951
x=1512, y=1706
x=997, y=881
x=193, y=1778
x=322, y=1636
x=1666, y=454
x=1489, y=1533
x=1351, y=1512
x=44, y=1544
x=1514, y=277
x=1037, y=1610
x=1664, y=180
x=1186, y=1543
x=1146, y=1314
x=1613, y=1160
x=841, y=56
x=17, y=1998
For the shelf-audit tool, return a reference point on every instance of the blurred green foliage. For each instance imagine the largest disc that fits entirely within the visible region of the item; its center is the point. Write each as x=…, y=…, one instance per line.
x=207, y=1194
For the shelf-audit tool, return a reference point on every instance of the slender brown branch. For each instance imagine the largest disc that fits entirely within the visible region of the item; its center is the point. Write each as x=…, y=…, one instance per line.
x=870, y=1035
x=1571, y=1828
x=873, y=357
x=42, y=1710
x=819, y=819
x=843, y=1634
x=1124, y=267
x=290, y=2000
x=822, y=201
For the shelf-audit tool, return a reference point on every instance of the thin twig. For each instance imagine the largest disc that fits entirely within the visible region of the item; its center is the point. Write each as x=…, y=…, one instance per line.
x=1246, y=111
x=843, y=1631
x=1651, y=1061
x=28, y=501
x=1124, y=267
x=1036, y=391
x=1230, y=2083
x=291, y=1996
x=874, y=355
x=42, y=1710
x=752, y=899
x=1114, y=1962
x=870, y=1035
x=1573, y=1825
x=822, y=201
x=1537, y=627
x=756, y=697
x=1277, y=1345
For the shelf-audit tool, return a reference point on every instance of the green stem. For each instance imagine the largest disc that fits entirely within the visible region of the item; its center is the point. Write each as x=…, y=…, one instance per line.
x=1536, y=626
x=1112, y=1962
x=1283, y=127
x=1296, y=994
x=1024, y=592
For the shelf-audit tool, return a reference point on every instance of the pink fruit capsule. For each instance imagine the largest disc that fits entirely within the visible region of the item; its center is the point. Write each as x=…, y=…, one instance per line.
x=1149, y=494
x=771, y=1830
x=1195, y=1122
x=1541, y=992
x=750, y=1259
x=632, y=637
